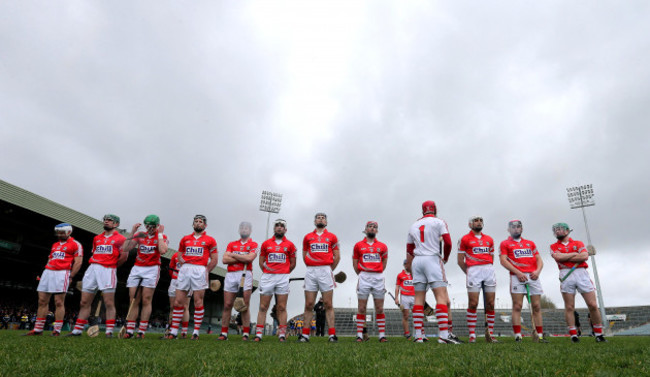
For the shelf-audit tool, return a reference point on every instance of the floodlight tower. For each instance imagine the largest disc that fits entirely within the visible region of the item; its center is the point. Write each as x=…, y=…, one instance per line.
x=581, y=197
x=270, y=203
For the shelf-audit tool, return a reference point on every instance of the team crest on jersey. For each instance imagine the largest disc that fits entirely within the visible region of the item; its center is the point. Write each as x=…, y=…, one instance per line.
x=65, y=248
x=104, y=249
x=286, y=249
x=371, y=258
x=319, y=248
x=194, y=251
x=277, y=258
x=203, y=243
x=522, y=253
x=481, y=250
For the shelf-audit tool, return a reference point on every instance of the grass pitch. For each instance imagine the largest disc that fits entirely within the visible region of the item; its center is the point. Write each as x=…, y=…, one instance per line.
x=48, y=356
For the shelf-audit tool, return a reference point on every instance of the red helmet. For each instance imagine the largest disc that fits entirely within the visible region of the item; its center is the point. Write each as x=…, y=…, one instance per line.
x=429, y=207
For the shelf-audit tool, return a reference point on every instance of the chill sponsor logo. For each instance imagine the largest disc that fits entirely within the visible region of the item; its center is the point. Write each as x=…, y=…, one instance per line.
x=371, y=258
x=58, y=255
x=104, y=249
x=408, y=283
x=522, y=253
x=144, y=249
x=277, y=258
x=481, y=250
x=319, y=248
x=191, y=251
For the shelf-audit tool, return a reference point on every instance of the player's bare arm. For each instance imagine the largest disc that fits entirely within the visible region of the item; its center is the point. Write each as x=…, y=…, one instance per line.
x=355, y=265
x=124, y=255
x=508, y=266
x=76, y=266
x=292, y=263
x=262, y=262
x=337, y=258
x=244, y=258
x=540, y=264
x=461, y=262
x=214, y=258
x=383, y=264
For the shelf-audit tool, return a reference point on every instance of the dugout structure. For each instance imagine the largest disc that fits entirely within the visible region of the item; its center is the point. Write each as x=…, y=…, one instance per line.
x=26, y=235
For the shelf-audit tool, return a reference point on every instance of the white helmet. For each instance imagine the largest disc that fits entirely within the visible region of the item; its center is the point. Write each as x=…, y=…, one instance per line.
x=63, y=227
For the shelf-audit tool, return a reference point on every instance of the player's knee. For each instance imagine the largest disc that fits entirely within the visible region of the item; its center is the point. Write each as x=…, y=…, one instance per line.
x=227, y=306
x=281, y=308
x=516, y=307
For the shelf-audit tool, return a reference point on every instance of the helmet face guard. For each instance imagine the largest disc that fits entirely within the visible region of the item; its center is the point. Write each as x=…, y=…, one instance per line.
x=152, y=220
x=201, y=217
x=111, y=217
x=557, y=226
x=64, y=227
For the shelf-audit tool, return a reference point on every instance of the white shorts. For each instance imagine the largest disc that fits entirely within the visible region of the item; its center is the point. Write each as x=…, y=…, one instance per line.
x=54, y=281
x=232, y=280
x=145, y=276
x=428, y=272
x=407, y=302
x=271, y=284
x=172, y=289
x=479, y=276
x=578, y=281
x=371, y=283
x=192, y=277
x=516, y=286
x=98, y=277
x=319, y=278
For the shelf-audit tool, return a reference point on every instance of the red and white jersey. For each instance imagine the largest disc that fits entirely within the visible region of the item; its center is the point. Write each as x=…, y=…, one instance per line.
x=320, y=248
x=148, y=252
x=405, y=284
x=370, y=256
x=174, y=266
x=63, y=254
x=277, y=256
x=425, y=235
x=242, y=248
x=107, y=249
x=477, y=250
x=521, y=254
x=572, y=246
x=198, y=250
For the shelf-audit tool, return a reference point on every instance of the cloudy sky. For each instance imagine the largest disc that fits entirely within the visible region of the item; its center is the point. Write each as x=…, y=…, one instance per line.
x=359, y=109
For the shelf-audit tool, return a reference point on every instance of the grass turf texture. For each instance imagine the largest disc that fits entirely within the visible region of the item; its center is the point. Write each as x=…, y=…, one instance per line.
x=48, y=356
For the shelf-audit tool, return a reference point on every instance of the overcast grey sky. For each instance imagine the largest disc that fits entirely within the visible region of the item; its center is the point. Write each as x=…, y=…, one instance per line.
x=359, y=109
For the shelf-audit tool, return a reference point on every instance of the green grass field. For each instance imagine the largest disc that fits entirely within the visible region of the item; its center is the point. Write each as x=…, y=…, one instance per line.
x=48, y=356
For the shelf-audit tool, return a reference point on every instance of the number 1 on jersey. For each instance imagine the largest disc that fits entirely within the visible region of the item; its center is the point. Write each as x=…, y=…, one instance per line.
x=421, y=233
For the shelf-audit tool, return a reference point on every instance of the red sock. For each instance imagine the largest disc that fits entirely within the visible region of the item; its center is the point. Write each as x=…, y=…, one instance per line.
x=361, y=320
x=539, y=329
x=418, y=320
x=246, y=330
x=573, y=331
x=516, y=329
x=332, y=331
x=381, y=324
x=224, y=330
